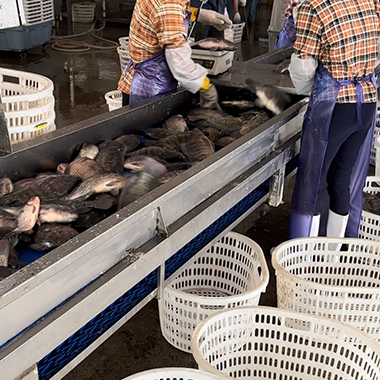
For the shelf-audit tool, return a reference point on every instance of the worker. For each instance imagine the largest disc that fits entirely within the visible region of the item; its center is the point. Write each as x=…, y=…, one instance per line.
x=235, y=5
x=161, y=55
x=287, y=34
x=333, y=60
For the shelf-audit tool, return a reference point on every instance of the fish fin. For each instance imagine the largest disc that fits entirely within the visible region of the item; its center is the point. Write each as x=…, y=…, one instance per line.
x=9, y=235
x=114, y=192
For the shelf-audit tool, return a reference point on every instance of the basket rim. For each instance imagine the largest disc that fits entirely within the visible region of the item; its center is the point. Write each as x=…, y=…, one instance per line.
x=370, y=342
x=260, y=288
x=167, y=371
x=309, y=284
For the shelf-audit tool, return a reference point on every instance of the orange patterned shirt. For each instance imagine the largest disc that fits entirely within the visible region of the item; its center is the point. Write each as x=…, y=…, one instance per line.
x=343, y=36
x=155, y=25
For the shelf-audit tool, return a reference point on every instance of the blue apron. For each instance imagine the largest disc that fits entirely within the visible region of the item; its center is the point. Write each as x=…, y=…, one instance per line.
x=315, y=131
x=152, y=76
x=287, y=35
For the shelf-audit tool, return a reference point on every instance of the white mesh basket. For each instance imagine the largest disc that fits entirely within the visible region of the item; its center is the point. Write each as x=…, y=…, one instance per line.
x=268, y=343
x=174, y=374
x=373, y=148
x=315, y=278
x=238, y=32
x=114, y=99
x=36, y=11
x=83, y=12
x=370, y=222
x=123, y=41
x=231, y=273
x=124, y=57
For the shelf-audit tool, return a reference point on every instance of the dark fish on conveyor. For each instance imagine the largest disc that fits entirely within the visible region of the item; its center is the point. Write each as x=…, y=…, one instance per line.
x=50, y=236
x=255, y=122
x=176, y=123
x=216, y=119
x=6, y=186
x=105, y=183
x=224, y=141
x=48, y=188
x=157, y=151
x=371, y=203
x=22, y=183
x=89, y=151
x=158, y=133
x=84, y=168
x=61, y=168
x=211, y=133
x=7, y=225
x=177, y=166
x=214, y=44
x=89, y=219
x=56, y=213
x=176, y=140
x=27, y=217
x=8, y=255
x=111, y=156
x=138, y=184
x=198, y=146
x=146, y=164
x=167, y=177
x=248, y=115
x=87, y=205
x=270, y=97
x=130, y=142
x=239, y=105
x=282, y=67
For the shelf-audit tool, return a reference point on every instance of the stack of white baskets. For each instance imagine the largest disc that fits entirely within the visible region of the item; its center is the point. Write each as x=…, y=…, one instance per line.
x=28, y=104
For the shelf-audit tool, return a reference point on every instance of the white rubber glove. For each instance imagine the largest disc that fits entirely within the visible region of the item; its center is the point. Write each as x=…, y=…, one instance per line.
x=237, y=18
x=188, y=73
x=302, y=73
x=215, y=19
x=243, y=3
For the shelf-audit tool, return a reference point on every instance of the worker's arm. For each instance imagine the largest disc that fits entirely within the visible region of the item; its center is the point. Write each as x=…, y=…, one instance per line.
x=304, y=60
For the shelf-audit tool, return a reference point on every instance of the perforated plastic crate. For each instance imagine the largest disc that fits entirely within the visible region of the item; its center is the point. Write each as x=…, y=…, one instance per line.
x=123, y=41
x=267, y=343
x=174, y=374
x=114, y=99
x=34, y=12
x=315, y=278
x=124, y=57
x=232, y=273
x=83, y=12
x=238, y=32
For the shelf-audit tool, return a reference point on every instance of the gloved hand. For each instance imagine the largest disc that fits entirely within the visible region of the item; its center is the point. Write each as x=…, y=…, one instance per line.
x=209, y=98
x=237, y=18
x=215, y=19
x=302, y=73
x=243, y=3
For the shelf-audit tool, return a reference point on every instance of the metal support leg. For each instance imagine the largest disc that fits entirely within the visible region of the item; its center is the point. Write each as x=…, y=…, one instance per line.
x=276, y=190
x=161, y=280
x=5, y=142
x=30, y=374
x=69, y=17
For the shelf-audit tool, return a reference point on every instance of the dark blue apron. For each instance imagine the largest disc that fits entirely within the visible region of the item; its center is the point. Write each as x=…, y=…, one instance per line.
x=153, y=76
x=314, y=140
x=287, y=35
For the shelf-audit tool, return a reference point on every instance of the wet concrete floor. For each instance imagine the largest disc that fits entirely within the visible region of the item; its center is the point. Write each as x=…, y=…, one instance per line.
x=80, y=82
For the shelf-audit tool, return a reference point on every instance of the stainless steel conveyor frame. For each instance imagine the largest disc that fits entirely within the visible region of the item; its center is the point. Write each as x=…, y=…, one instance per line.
x=57, y=310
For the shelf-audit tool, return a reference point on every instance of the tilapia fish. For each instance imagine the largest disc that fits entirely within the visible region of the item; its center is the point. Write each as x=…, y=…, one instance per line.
x=50, y=236
x=176, y=123
x=270, y=97
x=239, y=105
x=211, y=133
x=99, y=184
x=111, y=156
x=166, y=152
x=177, y=166
x=224, y=141
x=6, y=186
x=130, y=142
x=89, y=219
x=89, y=151
x=253, y=123
x=138, y=184
x=146, y=164
x=173, y=141
x=282, y=67
x=214, y=44
x=158, y=133
x=216, y=119
x=84, y=168
x=198, y=147
x=167, y=177
x=22, y=183
x=371, y=203
x=56, y=213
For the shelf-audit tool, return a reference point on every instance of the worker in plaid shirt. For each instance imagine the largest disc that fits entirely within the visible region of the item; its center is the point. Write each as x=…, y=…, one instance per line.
x=287, y=34
x=161, y=55
x=333, y=61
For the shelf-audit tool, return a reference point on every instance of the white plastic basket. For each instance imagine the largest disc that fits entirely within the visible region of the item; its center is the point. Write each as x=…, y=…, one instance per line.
x=124, y=57
x=315, y=278
x=231, y=273
x=370, y=222
x=238, y=32
x=124, y=41
x=83, y=12
x=114, y=99
x=28, y=103
x=268, y=343
x=36, y=11
x=374, y=147
x=174, y=374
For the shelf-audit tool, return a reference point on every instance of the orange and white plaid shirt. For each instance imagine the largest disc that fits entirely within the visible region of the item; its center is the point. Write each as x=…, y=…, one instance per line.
x=155, y=25
x=343, y=36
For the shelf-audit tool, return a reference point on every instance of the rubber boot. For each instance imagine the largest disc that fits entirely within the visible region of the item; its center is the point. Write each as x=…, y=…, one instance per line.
x=336, y=227
x=314, y=228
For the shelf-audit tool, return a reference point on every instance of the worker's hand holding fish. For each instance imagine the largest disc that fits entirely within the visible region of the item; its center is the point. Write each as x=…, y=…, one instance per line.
x=215, y=19
x=209, y=98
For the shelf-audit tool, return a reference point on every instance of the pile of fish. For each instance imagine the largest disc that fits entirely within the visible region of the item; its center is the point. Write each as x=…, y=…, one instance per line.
x=371, y=203
x=45, y=211
x=214, y=44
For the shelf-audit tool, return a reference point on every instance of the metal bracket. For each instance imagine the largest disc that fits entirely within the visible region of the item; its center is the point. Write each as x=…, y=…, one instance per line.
x=161, y=226
x=276, y=189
